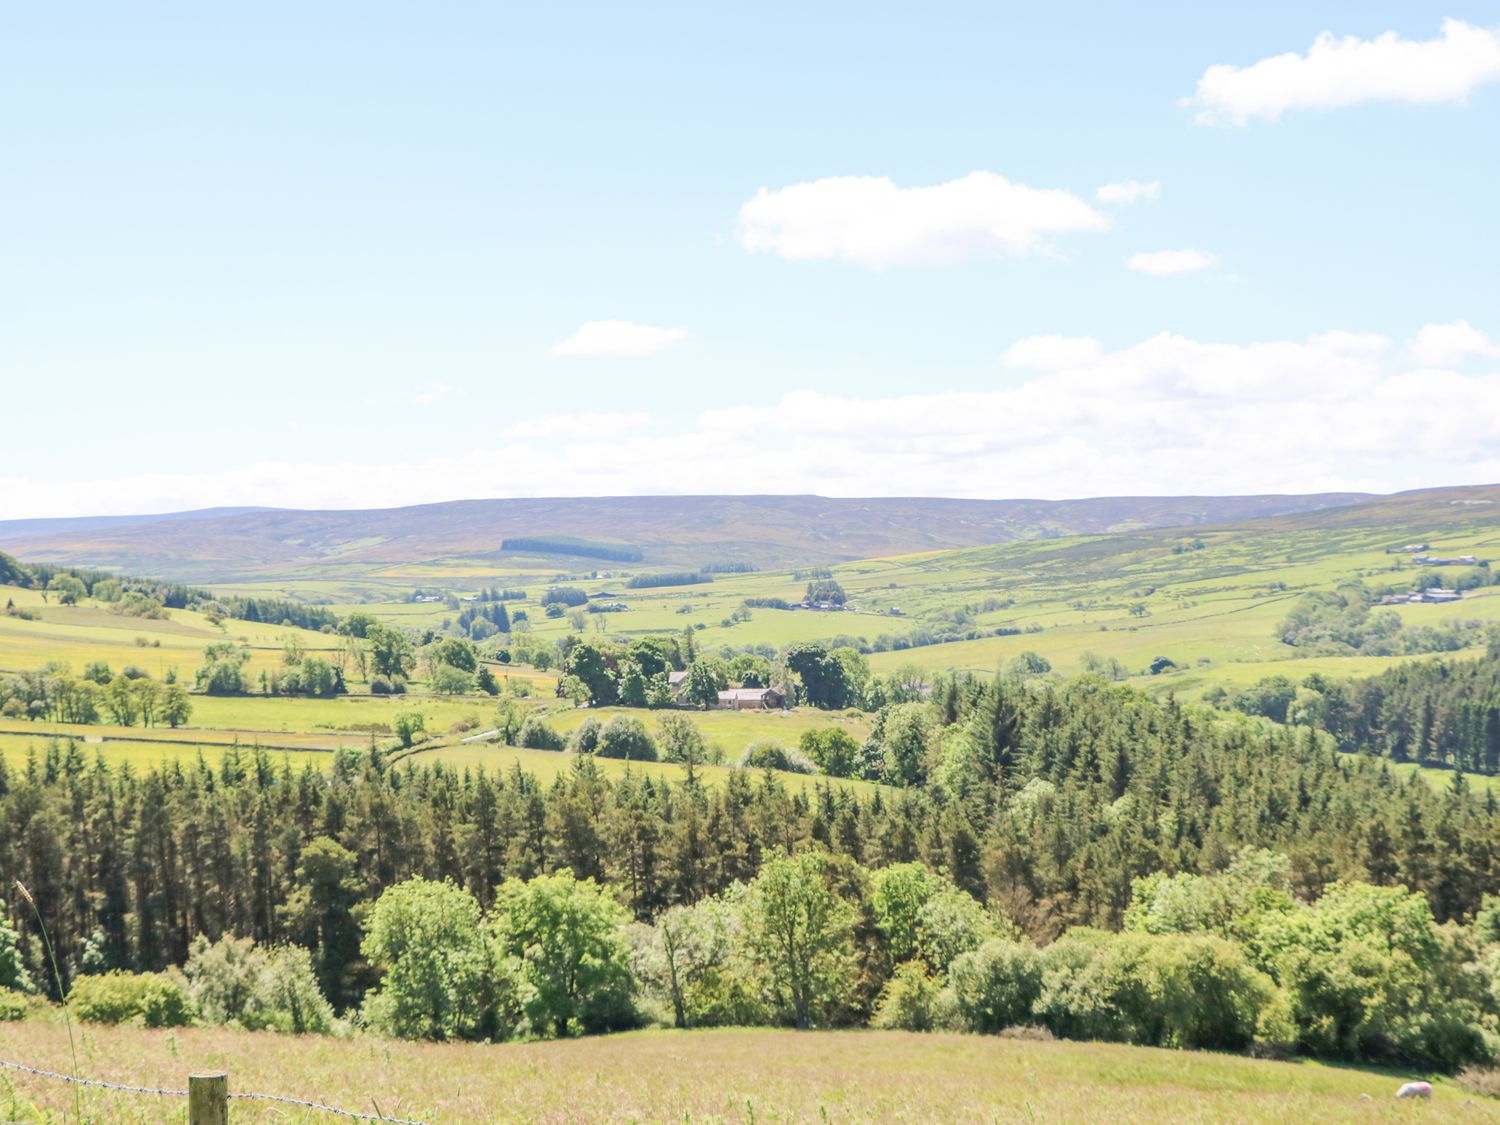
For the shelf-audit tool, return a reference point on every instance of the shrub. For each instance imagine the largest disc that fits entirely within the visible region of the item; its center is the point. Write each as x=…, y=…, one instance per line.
x=12, y=1006
x=585, y=736
x=234, y=981
x=387, y=685
x=996, y=985
x=141, y=999
x=835, y=751
x=537, y=735
x=765, y=754
x=909, y=1000
x=625, y=737
x=1173, y=991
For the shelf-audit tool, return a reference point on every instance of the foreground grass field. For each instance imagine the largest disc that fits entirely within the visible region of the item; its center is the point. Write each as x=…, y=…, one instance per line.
x=709, y=1076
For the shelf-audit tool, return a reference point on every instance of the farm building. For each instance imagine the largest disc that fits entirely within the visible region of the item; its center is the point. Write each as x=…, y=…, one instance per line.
x=750, y=699
x=677, y=682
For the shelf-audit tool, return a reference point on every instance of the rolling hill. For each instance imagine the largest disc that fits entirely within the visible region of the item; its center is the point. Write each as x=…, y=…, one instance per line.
x=763, y=531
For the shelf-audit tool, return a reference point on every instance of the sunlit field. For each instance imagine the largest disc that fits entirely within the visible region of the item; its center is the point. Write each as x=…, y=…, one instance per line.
x=711, y=1076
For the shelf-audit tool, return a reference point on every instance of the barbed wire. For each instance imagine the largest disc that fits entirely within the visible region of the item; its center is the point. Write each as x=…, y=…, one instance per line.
x=100, y=1084
x=281, y=1100
x=94, y=1082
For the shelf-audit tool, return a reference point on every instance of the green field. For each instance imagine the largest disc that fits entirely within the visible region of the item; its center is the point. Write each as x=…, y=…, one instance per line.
x=1209, y=598
x=711, y=1076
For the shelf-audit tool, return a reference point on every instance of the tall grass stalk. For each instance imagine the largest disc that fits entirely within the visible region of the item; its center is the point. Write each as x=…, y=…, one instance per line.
x=62, y=994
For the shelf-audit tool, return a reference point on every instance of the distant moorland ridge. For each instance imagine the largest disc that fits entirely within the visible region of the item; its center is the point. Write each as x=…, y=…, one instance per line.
x=764, y=531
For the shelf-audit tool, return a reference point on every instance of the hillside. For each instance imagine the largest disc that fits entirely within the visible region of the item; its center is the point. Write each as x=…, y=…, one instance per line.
x=764, y=531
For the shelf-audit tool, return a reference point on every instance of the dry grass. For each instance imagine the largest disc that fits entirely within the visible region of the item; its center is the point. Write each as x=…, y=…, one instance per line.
x=731, y=1075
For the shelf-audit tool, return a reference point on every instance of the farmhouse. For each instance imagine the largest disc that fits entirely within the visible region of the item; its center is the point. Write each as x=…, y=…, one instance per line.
x=677, y=682
x=1436, y=560
x=750, y=699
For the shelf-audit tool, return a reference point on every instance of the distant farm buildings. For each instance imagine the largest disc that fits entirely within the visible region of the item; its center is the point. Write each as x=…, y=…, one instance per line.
x=1433, y=595
x=1437, y=560
x=751, y=699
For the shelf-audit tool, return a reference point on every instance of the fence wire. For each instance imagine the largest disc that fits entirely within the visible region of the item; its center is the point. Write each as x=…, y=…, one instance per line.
x=100, y=1084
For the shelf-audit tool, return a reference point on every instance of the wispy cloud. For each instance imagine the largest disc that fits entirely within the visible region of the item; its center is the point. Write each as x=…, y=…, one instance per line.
x=1344, y=72
x=432, y=393
x=1128, y=191
x=870, y=221
x=1167, y=415
x=619, y=338
x=583, y=424
x=1164, y=263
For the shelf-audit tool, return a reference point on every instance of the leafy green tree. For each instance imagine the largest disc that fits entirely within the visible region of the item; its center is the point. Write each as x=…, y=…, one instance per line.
x=448, y=680
x=706, y=678
x=407, y=725
x=537, y=735
x=485, y=681
x=319, y=913
x=124, y=706
x=390, y=651
x=560, y=938
x=437, y=978
x=175, y=707
x=223, y=669
x=680, y=739
x=898, y=893
x=591, y=666
x=910, y=1000
x=626, y=737
x=13, y=974
x=902, y=738
x=801, y=934
x=1028, y=663
x=691, y=959
x=996, y=985
x=69, y=590
x=834, y=751
x=823, y=677
x=633, y=686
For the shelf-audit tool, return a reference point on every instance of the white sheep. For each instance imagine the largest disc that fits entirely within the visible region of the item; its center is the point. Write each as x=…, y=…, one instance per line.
x=1415, y=1090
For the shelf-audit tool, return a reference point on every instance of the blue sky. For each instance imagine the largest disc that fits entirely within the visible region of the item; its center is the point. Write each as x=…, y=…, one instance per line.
x=332, y=254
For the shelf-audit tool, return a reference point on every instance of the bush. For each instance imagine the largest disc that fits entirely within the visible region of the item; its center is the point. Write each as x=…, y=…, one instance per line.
x=537, y=735
x=234, y=981
x=1192, y=992
x=387, y=685
x=140, y=999
x=585, y=736
x=768, y=755
x=909, y=1000
x=625, y=737
x=12, y=1006
x=996, y=985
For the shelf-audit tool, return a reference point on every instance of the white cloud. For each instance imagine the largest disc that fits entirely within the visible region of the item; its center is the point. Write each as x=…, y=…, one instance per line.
x=1343, y=72
x=871, y=222
x=582, y=424
x=432, y=393
x=1168, y=415
x=1162, y=263
x=619, y=338
x=1128, y=191
x=1048, y=353
x=1447, y=345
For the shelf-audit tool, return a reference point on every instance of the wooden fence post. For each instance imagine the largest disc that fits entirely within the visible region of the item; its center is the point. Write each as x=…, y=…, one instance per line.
x=208, y=1099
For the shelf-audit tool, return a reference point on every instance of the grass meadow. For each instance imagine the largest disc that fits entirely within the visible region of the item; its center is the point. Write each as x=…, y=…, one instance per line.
x=736, y=1075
